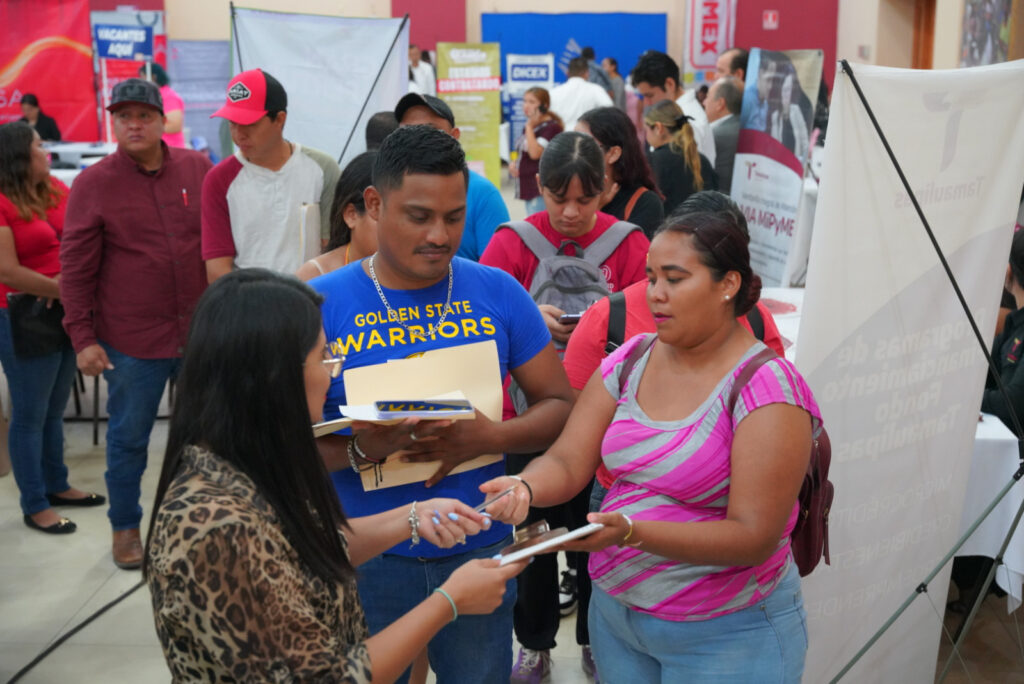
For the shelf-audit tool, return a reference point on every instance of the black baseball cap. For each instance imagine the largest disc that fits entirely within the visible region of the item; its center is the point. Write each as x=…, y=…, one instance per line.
x=434, y=104
x=136, y=91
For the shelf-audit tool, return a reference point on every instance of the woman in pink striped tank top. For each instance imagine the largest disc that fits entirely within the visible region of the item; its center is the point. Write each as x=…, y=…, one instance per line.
x=693, y=575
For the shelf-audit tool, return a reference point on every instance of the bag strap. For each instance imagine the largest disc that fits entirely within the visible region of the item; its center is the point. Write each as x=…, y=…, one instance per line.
x=631, y=204
x=630, y=361
x=756, y=321
x=753, y=365
x=604, y=246
x=532, y=238
x=616, y=321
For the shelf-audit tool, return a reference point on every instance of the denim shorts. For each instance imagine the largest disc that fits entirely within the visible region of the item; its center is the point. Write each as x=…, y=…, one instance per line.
x=763, y=643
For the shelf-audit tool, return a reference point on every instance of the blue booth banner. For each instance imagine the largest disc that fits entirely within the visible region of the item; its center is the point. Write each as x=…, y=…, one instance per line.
x=124, y=42
x=620, y=35
x=525, y=72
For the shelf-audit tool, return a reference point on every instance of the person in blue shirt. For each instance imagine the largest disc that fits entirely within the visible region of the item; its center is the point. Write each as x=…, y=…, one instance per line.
x=414, y=295
x=485, y=210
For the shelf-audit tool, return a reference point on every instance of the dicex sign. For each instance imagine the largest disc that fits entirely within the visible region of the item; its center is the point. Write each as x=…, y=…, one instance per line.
x=124, y=42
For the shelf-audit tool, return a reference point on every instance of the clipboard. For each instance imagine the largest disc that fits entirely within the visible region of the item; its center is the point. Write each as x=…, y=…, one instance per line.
x=472, y=369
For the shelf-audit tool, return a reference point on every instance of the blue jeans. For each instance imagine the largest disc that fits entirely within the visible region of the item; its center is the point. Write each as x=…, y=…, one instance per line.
x=40, y=386
x=134, y=389
x=474, y=649
x=766, y=642
x=534, y=205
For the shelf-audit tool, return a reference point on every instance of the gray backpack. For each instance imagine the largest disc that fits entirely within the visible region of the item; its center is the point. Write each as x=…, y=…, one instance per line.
x=572, y=283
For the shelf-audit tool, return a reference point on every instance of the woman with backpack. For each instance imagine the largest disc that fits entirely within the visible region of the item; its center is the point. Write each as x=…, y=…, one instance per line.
x=630, y=192
x=708, y=442
x=680, y=169
x=571, y=179
x=567, y=256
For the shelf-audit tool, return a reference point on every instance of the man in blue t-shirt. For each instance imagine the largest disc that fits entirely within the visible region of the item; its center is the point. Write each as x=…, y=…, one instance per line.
x=485, y=210
x=410, y=297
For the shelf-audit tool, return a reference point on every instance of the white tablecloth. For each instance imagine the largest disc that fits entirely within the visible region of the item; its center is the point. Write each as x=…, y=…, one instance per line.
x=75, y=152
x=994, y=461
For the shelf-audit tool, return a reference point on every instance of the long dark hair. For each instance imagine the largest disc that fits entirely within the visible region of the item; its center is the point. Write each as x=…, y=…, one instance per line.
x=241, y=394
x=356, y=177
x=572, y=155
x=610, y=127
x=15, y=173
x=720, y=237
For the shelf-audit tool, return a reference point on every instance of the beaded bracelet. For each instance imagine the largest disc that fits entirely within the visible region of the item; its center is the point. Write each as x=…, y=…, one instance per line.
x=359, y=452
x=525, y=484
x=455, y=611
x=414, y=525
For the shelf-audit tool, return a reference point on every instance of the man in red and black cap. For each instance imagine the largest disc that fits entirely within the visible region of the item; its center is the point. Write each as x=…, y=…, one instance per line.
x=269, y=204
x=131, y=273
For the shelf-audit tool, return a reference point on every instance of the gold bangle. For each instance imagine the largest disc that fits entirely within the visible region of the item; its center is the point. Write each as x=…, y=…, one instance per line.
x=629, y=533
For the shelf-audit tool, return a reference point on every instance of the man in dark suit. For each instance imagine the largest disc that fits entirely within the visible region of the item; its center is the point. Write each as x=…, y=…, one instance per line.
x=722, y=106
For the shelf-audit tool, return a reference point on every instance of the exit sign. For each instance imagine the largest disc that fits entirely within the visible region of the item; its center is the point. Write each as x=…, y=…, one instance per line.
x=770, y=20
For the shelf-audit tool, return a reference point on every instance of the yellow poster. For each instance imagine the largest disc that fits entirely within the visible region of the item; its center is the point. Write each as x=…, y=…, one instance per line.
x=469, y=80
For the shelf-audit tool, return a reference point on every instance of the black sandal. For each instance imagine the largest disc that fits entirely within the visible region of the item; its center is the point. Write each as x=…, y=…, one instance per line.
x=88, y=500
x=63, y=526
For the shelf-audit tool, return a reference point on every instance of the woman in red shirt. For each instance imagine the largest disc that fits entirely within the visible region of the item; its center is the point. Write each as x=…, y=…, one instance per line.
x=31, y=221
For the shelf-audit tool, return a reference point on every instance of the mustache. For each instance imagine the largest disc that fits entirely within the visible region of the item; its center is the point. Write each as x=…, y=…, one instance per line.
x=431, y=247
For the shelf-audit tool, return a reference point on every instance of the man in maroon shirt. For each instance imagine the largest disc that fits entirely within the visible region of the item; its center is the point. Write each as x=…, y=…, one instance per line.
x=131, y=273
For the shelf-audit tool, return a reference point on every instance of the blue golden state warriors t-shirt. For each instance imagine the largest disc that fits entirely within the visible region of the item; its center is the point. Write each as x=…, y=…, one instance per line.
x=486, y=304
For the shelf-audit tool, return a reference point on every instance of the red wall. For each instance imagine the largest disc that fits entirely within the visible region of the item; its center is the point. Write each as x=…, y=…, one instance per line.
x=431, y=22
x=803, y=24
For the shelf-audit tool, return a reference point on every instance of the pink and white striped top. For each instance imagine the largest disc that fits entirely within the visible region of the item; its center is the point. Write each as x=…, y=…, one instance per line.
x=678, y=471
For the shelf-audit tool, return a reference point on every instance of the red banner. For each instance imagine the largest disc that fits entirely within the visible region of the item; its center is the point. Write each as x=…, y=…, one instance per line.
x=45, y=49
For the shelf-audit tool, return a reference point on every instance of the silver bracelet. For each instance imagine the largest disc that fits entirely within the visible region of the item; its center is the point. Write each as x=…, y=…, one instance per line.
x=414, y=524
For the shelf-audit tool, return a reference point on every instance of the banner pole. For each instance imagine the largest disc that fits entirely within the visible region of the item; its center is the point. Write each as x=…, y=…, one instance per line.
x=923, y=586
x=105, y=100
x=366, y=101
x=234, y=37
x=966, y=627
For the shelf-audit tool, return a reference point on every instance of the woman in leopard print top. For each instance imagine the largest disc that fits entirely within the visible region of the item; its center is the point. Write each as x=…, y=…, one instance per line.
x=249, y=558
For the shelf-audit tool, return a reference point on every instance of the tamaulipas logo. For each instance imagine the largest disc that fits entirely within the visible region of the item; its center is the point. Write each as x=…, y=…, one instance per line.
x=239, y=92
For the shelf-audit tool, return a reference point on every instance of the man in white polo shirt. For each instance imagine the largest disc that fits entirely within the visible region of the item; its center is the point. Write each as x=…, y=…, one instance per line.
x=269, y=204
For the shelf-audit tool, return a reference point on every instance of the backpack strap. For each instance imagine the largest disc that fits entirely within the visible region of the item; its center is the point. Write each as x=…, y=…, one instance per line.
x=616, y=321
x=753, y=365
x=630, y=361
x=532, y=238
x=603, y=247
x=756, y=321
x=631, y=204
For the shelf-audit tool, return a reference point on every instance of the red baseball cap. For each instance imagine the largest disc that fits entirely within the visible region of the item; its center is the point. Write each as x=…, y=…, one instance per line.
x=250, y=96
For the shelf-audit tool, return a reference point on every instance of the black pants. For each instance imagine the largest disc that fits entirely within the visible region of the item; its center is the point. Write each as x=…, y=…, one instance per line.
x=536, y=614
